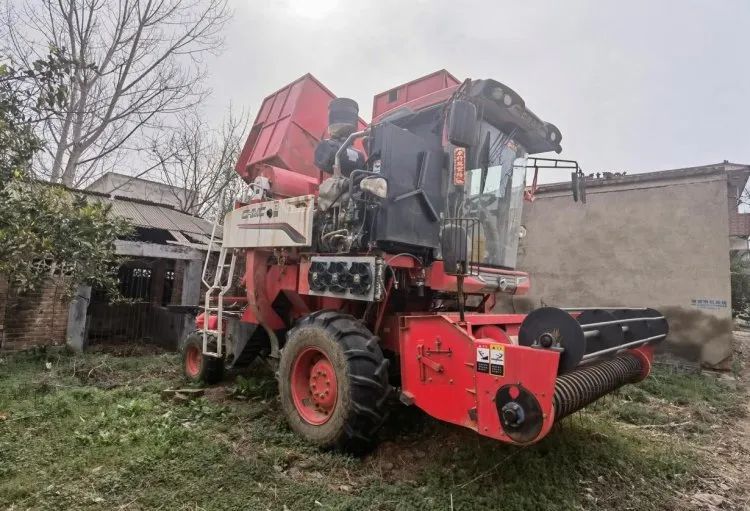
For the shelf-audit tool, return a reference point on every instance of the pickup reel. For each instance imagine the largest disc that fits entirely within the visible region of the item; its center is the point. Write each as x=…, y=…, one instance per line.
x=590, y=333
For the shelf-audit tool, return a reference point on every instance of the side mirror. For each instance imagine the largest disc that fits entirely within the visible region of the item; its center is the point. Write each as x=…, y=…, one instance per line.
x=462, y=123
x=459, y=246
x=455, y=249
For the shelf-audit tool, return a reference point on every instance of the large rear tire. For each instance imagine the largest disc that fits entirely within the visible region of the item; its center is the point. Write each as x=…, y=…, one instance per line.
x=333, y=381
x=196, y=366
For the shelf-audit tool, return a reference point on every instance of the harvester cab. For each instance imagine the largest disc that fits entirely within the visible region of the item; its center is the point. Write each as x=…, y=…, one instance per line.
x=372, y=257
x=453, y=175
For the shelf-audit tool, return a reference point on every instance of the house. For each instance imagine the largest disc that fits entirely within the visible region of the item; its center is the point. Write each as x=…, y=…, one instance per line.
x=161, y=266
x=657, y=239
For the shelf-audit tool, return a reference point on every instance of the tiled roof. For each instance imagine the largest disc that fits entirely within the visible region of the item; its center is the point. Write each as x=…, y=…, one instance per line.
x=151, y=215
x=155, y=216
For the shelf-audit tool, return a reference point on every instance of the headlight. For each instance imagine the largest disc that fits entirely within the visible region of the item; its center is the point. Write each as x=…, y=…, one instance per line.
x=377, y=186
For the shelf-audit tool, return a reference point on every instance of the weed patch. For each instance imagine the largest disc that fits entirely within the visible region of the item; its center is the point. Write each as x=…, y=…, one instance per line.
x=92, y=432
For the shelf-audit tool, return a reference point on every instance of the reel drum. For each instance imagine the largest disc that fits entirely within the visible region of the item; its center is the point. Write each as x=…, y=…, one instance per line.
x=660, y=327
x=555, y=329
x=636, y=329
x=609, y=335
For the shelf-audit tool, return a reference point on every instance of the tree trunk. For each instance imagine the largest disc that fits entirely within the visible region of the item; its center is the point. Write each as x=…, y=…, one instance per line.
x=69, y=174
x=60, y=152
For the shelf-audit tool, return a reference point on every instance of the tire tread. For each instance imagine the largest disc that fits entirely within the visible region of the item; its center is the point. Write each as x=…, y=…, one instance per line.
x=368, y=378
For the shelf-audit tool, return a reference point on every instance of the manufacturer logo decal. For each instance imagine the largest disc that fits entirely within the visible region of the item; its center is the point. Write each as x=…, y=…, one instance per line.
x=260, y=212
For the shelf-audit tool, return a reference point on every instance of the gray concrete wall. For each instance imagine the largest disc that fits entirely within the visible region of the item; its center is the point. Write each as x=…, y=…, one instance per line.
x=662, y=244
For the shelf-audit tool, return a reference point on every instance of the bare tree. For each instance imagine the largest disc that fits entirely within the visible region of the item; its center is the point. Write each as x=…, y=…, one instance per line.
x=199, y=161
x=743, y=198
x=134, y=63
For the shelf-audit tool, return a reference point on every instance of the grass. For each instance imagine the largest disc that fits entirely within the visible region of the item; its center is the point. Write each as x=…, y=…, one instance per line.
x=92, y=432
x=690, y=402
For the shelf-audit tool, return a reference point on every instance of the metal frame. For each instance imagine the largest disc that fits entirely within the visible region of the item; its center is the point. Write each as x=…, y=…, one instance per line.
x=577, y=177
x=212, y=288
x=568, y=164
x=623, y=347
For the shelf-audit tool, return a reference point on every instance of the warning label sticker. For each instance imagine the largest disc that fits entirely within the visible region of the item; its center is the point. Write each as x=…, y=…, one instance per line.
x=497, y=359
x=483, y=360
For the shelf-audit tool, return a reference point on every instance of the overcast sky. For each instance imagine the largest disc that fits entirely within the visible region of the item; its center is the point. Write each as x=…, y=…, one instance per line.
x=636, y=86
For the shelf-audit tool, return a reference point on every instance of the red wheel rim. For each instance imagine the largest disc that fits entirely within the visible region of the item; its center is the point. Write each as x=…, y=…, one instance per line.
x=314, y=386
x=193, y=361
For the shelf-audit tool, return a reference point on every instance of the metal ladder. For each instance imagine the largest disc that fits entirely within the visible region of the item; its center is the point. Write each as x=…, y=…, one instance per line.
x=212, y=288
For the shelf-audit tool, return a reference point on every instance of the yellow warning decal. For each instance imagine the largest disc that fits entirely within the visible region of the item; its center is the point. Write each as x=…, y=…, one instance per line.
x=497, y=359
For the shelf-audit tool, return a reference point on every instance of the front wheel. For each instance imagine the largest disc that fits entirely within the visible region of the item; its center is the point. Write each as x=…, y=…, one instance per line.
x=333, y=381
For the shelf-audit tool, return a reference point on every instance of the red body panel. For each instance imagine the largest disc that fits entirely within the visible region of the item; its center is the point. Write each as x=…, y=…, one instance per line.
x=286, y=183
x=285, y=135
x=265, y=282
x=290, y=123
x=413, y=90
x=438, y=280
x=200, y=321
x=438, y=372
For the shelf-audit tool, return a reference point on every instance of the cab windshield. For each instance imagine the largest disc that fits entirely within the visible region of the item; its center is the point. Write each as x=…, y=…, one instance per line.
x=494, y=195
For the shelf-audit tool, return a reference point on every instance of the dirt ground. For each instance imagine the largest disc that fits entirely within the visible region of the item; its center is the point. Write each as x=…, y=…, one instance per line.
x=728, y=486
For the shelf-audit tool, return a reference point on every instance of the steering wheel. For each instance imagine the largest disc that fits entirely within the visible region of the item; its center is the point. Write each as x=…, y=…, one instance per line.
x=480, y=201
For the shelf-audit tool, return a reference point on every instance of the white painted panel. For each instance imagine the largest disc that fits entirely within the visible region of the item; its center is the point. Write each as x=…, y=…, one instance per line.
x=279, y=223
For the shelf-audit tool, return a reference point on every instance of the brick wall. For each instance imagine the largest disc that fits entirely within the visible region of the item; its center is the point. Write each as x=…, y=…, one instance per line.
x=739, y=223
x=37, y=318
